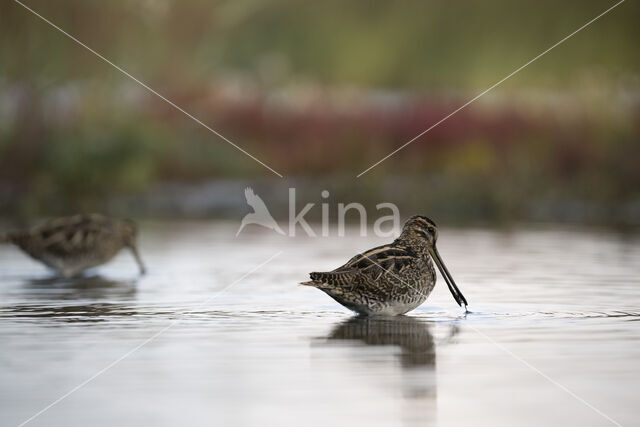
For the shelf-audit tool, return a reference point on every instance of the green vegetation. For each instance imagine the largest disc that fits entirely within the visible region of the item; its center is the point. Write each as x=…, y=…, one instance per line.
x=323, y=90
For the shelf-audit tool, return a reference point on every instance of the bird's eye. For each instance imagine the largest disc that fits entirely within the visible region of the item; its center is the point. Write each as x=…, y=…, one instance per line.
x=431, y=229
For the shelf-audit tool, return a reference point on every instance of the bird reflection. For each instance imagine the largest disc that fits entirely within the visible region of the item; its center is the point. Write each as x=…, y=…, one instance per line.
x=73, y=300
x=93, y=287
x=411, y=335
x=416, y=378
x=68, y=313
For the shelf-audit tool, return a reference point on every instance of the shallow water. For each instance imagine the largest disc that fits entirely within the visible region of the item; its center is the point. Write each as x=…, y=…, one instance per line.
x=207, y=339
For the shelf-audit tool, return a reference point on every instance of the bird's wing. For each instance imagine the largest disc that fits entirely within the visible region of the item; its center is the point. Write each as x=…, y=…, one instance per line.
x=372, y=263
x=69, y=236
x=386, y=258
x=254, y=200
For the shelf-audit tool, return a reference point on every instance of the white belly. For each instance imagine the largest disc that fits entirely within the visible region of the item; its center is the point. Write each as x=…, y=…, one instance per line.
x=390, y=309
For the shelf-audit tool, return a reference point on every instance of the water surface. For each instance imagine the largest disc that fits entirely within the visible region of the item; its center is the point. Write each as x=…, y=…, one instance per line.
x=552, y=338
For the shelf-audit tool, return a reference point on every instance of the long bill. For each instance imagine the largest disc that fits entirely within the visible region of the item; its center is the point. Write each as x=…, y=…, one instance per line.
x=136, y=255
x=457, y=295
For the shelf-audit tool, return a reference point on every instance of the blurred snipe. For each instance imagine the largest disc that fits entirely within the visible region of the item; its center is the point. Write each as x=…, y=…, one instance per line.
x=390, y=279
x=73, y=244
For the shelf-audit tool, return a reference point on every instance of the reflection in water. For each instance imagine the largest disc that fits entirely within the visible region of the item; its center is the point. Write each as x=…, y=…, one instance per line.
x=84, y=287
x=413, y=336
x=72, y=300
x=417, y=358
x=246, y=357
x=69, y=313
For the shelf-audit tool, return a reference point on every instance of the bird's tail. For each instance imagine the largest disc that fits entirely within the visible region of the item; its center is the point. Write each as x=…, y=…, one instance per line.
x=316, y=280
x=9, y=237
x=310, y=283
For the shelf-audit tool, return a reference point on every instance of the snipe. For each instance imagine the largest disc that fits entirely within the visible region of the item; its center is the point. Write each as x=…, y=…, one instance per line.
x=73, y=244
x=390, y=279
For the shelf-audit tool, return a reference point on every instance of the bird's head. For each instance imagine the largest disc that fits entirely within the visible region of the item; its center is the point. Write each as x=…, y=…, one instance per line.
x=422, y=233
x=128, y=231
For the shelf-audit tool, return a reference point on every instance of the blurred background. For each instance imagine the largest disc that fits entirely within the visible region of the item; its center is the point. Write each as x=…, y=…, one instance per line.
x=319, y=91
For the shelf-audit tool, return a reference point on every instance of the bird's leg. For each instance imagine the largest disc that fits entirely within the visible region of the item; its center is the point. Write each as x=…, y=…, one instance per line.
x=136, y=255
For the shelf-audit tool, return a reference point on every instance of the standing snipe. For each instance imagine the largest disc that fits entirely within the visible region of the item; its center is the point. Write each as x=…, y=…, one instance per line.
x=391, y=279
x=73, y=244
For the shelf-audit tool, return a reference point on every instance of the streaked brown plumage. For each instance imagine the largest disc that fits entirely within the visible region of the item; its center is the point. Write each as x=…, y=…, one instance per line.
x=390, y=279
x=71, y=245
